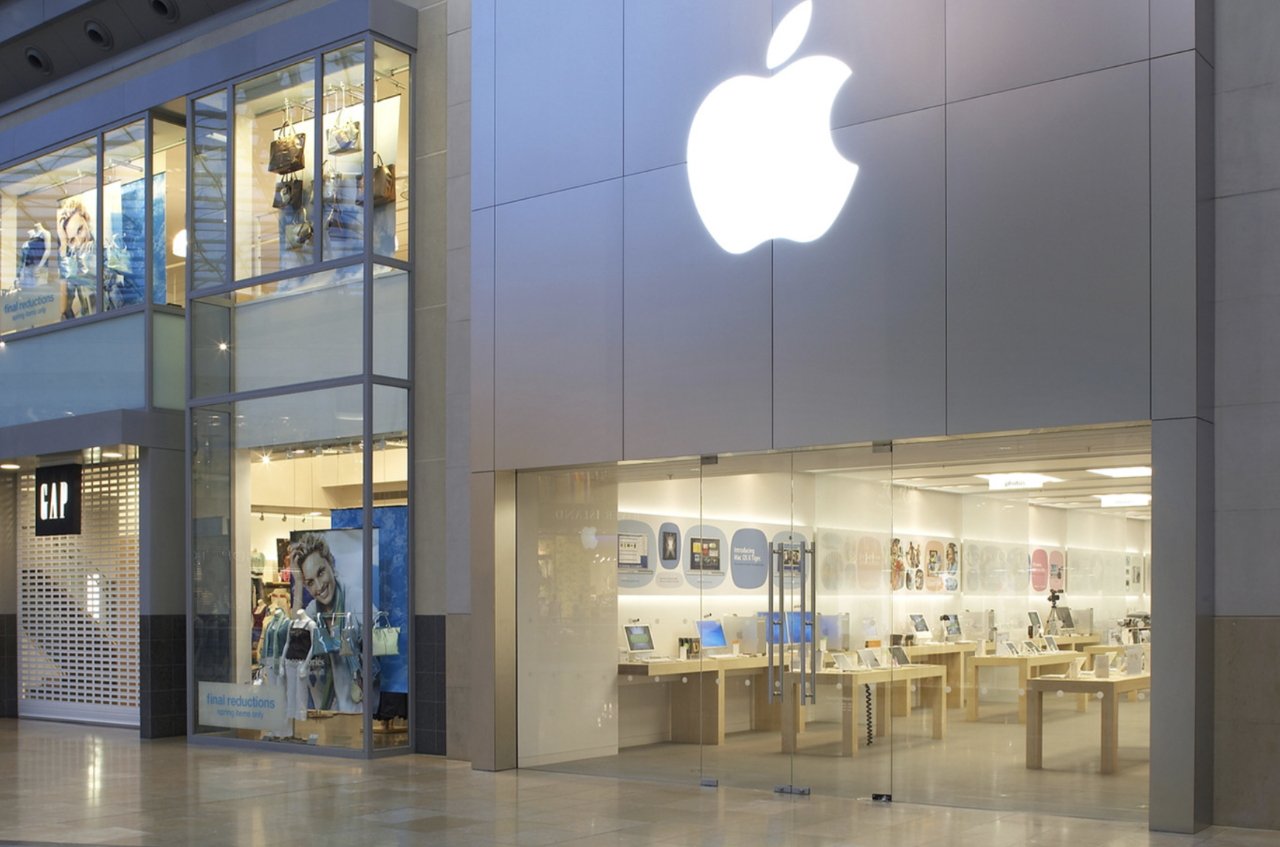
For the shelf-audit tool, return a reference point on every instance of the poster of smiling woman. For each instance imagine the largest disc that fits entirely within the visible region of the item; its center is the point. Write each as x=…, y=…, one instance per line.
x=327, y=570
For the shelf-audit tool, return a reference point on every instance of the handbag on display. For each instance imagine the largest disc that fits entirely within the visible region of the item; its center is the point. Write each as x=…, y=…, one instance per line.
x=350, y=636
x=325, y=639
x=288, y=194
x=386, y=638
x=288, y=148
x=384, y=183
x=296, y=237
x=339, y=188
x=344, y=136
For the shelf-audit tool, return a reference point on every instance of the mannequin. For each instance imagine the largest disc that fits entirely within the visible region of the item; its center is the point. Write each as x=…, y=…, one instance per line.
x=34, y=257
x=298, y=651
x=275, y=633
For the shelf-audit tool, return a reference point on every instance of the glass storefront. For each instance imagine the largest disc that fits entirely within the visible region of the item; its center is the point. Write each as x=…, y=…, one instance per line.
x=940, y=621
x=300, y=412
x=76, y=236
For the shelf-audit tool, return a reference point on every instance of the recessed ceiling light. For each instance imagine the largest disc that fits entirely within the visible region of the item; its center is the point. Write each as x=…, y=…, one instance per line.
x=9, y=466
x=1121, y=501
x=1122, y=473
x=1016, y=481
x=112, y=454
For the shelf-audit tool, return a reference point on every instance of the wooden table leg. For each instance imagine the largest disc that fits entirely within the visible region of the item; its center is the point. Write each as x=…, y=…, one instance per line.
x=790, y=717
x=955, y=673
x=1023, y=675
x=1110, y=731
x=1035, y=729
x=882, y=707
x=848, y=719
x=940, y=705
x=973, y=692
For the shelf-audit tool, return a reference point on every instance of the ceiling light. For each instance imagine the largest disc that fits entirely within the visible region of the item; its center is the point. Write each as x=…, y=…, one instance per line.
x=1120, y=501
x=1122, y=473
x=266, y=458
x=179, y=247
x=1016, y=481
x=112, y=454
x=222, y=346
x=9, y=466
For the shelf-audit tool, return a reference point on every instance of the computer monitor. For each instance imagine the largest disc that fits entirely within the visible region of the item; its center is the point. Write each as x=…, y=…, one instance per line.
x=639, y=638
x=834, y=628
x=711, y=633
x=772, y=634
x=1063, y=614
x=796, y=633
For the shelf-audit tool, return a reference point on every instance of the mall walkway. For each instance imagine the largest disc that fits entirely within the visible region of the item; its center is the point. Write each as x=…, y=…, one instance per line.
x=69, y=784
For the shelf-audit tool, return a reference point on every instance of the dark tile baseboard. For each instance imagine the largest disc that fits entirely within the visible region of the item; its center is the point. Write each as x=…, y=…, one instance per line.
x=429, y=685
x=163, y=672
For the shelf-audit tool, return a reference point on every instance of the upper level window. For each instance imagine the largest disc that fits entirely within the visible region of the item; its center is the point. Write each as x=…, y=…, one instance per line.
x=78, y=225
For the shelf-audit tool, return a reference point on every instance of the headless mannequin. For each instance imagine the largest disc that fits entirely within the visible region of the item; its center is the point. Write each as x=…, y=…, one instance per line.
x=35, y=257
x=301, y=636
x=271, y=646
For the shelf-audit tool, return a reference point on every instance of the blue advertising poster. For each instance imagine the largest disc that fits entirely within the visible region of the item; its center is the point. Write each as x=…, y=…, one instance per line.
x=390, y=582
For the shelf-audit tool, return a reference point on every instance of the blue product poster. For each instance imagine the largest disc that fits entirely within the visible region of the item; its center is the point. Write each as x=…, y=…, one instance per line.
x=793, y=556
x=390, y=582
x=749, y=558
x=669, y=545
x=707, y=559
x=636, y=560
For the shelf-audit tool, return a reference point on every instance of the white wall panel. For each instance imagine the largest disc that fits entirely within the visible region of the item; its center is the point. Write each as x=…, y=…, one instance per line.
x=895, y=50
x=558, y=92
x=676, y=52
x=558, y=328
x=698, y=346
x=995, y=45
x=860, y=314
x=1048, y=265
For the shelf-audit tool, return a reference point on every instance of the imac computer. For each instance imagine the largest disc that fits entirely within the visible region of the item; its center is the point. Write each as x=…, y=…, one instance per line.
x=770, y=631
x=796, y=633
x=711, y=633
x=1063, y=614
x=834, y=628
x=639, y=641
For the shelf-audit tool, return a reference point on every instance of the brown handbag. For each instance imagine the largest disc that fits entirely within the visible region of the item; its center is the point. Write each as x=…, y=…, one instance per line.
x=288, y=148
x=384, y=182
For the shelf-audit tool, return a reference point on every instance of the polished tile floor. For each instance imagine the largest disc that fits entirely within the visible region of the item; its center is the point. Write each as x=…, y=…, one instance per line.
x=67, y=784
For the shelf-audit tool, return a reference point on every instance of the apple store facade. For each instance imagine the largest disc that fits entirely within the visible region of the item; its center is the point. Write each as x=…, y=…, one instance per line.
x=836, y=424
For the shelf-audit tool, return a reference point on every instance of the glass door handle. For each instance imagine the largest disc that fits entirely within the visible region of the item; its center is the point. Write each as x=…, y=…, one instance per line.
x=775, y=674
x=809, y=623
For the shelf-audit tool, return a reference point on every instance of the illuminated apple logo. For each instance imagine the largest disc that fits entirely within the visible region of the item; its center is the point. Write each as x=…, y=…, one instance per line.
x=762, y=163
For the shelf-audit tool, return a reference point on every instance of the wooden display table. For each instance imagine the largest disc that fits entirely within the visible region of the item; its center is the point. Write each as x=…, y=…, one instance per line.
x=933, y=695
x=1110, y=688
x=1028, y=667
x=951, y=656
x=697, y=693
x=1073, y=642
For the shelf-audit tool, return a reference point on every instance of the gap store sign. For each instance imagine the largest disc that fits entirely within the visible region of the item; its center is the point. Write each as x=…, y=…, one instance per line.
x=58, y=500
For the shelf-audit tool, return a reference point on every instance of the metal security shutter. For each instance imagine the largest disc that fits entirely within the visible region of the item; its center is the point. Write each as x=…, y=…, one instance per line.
x=78, y=604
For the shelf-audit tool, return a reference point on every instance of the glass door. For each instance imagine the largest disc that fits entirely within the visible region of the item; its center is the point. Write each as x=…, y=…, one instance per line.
x=801, y=593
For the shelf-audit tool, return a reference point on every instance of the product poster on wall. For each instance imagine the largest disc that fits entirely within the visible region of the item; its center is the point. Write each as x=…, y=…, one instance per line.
x=1057, y=570
x=635, y=558
x=670, y=555
x=703, y=568
x=748, y=558
x=930, y=565
x=328, y=572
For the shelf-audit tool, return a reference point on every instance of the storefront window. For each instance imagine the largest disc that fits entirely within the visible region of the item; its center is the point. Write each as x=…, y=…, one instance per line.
x=342, y=203
x=282, y=575
x=124, y=216
x=275, y=165
x=48, y=238
x=169, y=239
x=391, y=152
x=391, y=316
x=207, y=235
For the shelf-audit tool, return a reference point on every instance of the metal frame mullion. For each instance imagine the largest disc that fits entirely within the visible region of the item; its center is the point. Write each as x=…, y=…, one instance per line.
x=149, y=259
x=189, y=535
x=100, y=226
x=276, y=391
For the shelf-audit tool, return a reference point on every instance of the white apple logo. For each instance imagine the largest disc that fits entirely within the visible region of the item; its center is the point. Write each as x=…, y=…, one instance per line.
x=761, y=160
